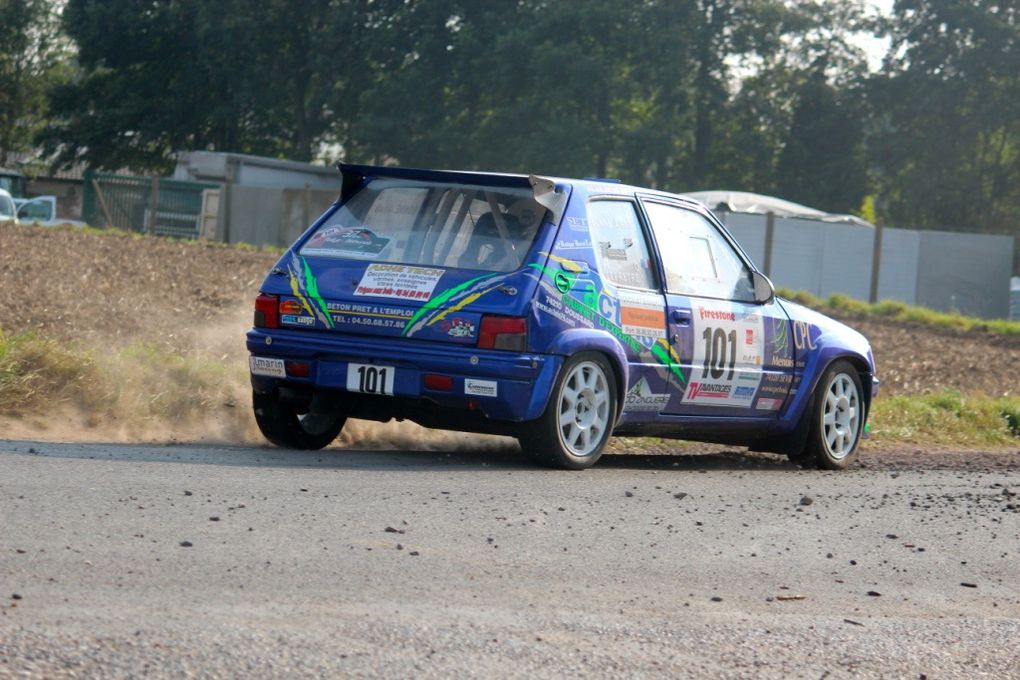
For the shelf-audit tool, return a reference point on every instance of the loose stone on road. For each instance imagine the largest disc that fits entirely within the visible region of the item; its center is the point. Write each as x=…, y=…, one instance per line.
x=198, y=560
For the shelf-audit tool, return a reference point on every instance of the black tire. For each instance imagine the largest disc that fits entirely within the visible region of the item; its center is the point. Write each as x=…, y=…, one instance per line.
x=282, y=424
x=837, y=419
x=585, y=395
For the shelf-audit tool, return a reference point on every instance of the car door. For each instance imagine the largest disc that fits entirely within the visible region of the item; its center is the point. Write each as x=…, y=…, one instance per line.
x=630, y=302
x=736, y=353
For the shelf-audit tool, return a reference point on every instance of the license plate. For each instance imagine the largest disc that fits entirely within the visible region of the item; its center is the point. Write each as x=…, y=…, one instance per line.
x=273, y=368
x=370, y=379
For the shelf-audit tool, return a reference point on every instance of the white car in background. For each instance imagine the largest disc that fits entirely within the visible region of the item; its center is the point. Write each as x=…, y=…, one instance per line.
x=8, y=210
x=42, y=211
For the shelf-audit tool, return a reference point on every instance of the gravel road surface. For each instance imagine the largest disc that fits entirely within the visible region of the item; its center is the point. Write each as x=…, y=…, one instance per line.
x=171, y=561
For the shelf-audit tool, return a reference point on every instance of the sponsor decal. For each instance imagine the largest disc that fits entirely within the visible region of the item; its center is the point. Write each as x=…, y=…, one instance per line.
x=458, y=328
x=555, y=312
x=481, y=388
x=297, y=320
x=339, y=241
x=368, y=315
x=769, y=404
x=290, y=307
x=774, y=389
x=640, y=398
x=272, y=368
x=698, y=390
x=399, y=281
x=576, y=223
x=716, y=314
x=727, y=338
x=574, y=244
x=802, y=336
x=643, y=322
x=611, y=253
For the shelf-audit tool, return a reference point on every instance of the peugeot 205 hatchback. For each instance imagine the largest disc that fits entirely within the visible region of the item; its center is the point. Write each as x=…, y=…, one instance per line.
x=557, y=311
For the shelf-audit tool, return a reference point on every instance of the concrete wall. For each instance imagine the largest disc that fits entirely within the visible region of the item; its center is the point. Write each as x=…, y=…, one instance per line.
x=947, y=271
x=269, y=216
x=1014, y=298
x=242, y=169
x=965, y=272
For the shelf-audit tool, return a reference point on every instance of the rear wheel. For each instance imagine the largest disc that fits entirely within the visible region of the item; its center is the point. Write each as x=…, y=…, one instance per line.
x=579, y=418
x=282, y=423
x=837, y=418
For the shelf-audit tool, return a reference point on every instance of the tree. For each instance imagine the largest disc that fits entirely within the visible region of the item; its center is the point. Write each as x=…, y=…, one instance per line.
x=822, y=163
x=31, y=57
x=947, y=134
x=267, y=78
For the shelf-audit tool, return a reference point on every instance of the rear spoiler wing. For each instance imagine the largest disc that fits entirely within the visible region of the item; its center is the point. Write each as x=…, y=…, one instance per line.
x=546, y=192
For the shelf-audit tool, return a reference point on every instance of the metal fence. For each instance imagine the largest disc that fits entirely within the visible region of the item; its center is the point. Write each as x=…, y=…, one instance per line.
x=946, y=271
x=148, y=205
x=1014, y=298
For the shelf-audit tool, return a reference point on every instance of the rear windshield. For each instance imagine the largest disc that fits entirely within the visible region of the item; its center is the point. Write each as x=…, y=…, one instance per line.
x=424, y=223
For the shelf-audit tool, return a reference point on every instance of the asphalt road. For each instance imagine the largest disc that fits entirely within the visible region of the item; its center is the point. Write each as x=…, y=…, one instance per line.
x=171, y=561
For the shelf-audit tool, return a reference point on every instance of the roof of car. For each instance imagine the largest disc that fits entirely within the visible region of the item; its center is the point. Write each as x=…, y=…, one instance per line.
x=610, y=186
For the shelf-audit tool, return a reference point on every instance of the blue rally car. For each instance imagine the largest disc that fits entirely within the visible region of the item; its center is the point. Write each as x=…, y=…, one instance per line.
x=557, y=311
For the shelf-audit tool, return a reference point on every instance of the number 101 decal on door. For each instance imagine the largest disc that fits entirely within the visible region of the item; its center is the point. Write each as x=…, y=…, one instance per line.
x=727, y=362
x=370, y=379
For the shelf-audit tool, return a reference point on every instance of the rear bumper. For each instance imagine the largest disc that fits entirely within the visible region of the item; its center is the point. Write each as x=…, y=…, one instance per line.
x=515, y=386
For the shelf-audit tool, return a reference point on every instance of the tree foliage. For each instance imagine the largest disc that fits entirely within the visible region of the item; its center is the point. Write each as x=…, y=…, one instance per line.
x=947, y=140
x=762, y=95
x=31, y=51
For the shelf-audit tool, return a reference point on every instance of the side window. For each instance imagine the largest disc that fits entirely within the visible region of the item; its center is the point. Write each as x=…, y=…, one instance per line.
x=620, y=244
x=697, y=259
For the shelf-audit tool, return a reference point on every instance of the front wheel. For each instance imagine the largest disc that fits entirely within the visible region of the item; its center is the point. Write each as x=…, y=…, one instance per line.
x=579, y=418
x=282, y=424
x=837, y=418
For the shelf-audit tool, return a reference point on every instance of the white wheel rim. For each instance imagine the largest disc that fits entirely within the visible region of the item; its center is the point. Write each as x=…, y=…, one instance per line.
x=840, y=416
x=583, y=408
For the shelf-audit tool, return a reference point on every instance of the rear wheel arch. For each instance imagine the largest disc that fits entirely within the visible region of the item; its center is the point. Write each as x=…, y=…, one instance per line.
x=574, y=341
x=580, y=415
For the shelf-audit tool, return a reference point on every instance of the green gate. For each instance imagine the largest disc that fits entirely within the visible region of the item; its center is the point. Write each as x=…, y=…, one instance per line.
x=147, y=205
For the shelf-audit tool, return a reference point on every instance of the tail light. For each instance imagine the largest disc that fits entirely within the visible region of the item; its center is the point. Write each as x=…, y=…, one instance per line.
x=503, y=332
x=266, y=311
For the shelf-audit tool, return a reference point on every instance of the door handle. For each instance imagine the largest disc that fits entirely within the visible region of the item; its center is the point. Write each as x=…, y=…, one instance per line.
x=682, y=317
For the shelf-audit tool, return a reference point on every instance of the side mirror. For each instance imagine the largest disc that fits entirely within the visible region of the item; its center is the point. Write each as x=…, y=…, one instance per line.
x=764, y=291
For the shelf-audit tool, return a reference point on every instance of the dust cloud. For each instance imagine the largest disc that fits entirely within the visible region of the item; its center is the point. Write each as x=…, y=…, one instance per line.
x=190, y=384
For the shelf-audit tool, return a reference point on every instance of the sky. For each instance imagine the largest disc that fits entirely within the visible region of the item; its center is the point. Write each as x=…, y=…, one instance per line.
x=876, y=48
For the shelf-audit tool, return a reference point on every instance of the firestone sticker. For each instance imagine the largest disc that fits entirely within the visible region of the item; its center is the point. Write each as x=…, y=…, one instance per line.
x=399, y=281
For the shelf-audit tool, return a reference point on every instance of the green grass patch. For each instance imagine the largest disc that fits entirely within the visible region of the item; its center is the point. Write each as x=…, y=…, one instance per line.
x=138, y=383
x=843, y=305
x=949, y=418
x=35, y=373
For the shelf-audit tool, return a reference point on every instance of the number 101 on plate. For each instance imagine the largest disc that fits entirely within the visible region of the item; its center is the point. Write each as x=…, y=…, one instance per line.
x=370, y=379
